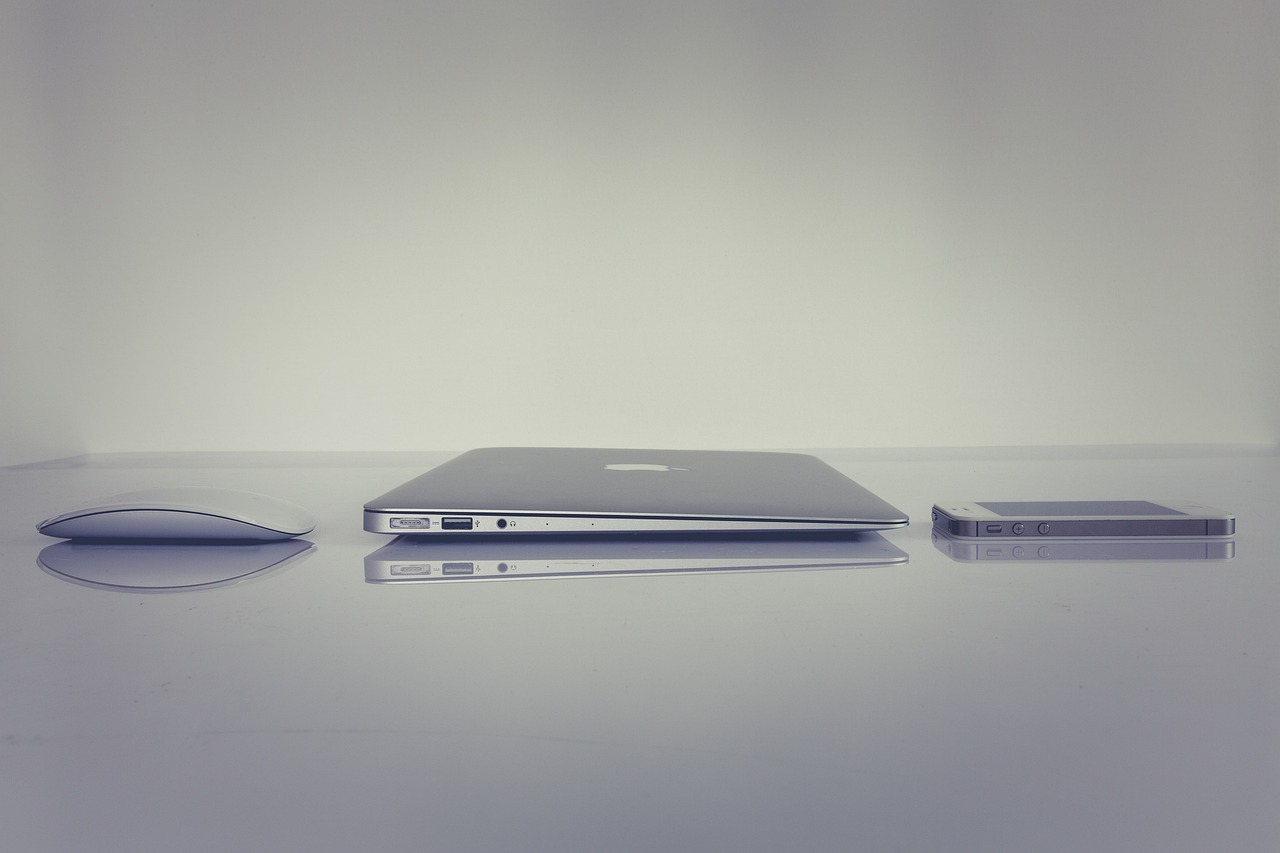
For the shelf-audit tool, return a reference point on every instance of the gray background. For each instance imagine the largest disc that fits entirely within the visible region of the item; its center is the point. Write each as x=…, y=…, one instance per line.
x=395, y=225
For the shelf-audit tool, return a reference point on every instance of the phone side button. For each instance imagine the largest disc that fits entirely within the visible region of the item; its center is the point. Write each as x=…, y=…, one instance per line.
x=1044, y=527
x=995, y=528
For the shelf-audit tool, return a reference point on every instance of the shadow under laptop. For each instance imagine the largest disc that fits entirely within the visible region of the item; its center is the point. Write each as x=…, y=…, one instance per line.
x=409, y=559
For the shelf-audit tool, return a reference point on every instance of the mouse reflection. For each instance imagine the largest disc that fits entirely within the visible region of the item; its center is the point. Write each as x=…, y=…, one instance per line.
x=1117, y=550
x=169, y=567
x=415, y=560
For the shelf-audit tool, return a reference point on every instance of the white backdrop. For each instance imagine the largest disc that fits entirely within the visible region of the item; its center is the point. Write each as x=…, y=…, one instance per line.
x=414, y=225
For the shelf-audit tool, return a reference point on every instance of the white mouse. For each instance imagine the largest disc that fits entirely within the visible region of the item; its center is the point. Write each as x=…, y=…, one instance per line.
x=182, y=513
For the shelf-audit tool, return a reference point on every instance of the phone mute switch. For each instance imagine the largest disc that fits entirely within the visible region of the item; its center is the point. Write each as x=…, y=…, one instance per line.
x=995, y=528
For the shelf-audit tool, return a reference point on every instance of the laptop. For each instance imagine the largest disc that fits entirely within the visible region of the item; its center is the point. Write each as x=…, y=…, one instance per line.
x=567, y=490
x=417, y=559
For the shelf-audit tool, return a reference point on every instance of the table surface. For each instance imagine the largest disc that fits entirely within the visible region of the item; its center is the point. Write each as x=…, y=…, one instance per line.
x=950, y=704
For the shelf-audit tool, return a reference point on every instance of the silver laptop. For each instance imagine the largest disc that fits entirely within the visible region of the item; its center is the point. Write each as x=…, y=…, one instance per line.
x=417, y=559
x=555, y=490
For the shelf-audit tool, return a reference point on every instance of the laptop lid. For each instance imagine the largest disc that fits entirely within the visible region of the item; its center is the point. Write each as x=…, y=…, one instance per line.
x=537, y=490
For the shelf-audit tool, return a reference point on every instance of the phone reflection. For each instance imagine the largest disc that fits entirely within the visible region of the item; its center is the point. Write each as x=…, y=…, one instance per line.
x=409, y=559
x=167, y=567
x=1145, y=549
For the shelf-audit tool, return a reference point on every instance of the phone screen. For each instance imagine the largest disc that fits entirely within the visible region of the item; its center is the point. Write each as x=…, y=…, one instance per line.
x=1078, y=508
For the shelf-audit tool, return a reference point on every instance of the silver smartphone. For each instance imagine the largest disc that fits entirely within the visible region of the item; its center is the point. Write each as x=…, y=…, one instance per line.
x=1064, y=519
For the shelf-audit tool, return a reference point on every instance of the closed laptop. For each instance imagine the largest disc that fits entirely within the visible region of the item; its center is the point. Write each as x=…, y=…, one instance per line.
x=558, y=490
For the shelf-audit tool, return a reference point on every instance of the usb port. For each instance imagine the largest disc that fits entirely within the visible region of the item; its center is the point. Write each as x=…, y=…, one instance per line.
x=455, y=523
x=458, y=569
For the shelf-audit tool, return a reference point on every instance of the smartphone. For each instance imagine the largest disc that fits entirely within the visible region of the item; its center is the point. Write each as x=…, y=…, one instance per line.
x=1061, y=519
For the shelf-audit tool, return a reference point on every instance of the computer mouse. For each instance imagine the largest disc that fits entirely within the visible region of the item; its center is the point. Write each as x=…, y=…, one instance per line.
x=191, y=513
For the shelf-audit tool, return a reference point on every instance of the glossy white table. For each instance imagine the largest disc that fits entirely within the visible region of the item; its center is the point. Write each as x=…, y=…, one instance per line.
x=941, y=704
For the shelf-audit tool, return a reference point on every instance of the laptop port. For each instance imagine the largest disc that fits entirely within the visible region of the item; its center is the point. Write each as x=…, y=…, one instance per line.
x=410, y=568
x=458, y=569
x=456, y=523
x=410, y=523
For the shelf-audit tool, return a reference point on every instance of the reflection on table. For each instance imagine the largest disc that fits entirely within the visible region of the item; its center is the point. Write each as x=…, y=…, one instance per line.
x=410, y=559
x=1119, y=549
x=167, y=567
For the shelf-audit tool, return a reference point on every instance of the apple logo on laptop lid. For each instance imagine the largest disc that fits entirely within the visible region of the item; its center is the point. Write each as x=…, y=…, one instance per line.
x=641, y=466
